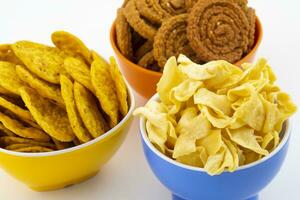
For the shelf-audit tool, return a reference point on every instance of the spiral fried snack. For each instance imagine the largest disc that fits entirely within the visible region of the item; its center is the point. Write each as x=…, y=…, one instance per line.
x=145, y=8
x=139, y=24
x=170, y=7
x=171, y=40
x=219, y=29
x=123, y=32
x=148, y=62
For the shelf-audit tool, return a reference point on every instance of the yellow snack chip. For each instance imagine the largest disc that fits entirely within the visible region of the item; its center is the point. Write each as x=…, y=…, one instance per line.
x=105, y=90
x=17, y=146
x=79, y=71
x=6, y=131
x=216, y=116
x=52, y=118
x=62, y=145
x=76, y=123
x=8, y=78
x=9, y=140
x=87, y=107
x=120, y=85
x=44, y=88
x=33, y=149
x=7, y=54
x=71, y=44
x=46, y=62
x=19, y=129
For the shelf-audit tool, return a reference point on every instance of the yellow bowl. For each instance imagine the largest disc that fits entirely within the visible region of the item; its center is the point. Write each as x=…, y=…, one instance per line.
x=58, y=169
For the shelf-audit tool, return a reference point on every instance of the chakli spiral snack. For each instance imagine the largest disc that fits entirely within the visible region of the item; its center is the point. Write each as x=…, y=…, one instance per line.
x=204, y=30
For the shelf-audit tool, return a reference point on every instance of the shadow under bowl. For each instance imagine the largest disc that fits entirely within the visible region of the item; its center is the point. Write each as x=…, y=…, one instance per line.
x=58, y=169
x=144, y=81
x=193, y=183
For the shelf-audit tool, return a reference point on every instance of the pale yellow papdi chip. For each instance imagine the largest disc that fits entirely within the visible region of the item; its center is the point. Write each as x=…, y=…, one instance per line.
x=76, y=123
x=216, y=116
x=44, y=88
x=7, y=54
x=19, y=129
x=79, y=71
x=46, y=62
x=52, y=118
x=71, y=44
x=120, y=85
x=105, y=90
x=88, y=110
x=8, y=77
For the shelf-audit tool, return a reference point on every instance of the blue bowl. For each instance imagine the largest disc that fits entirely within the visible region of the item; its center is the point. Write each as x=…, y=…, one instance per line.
x=192, y=183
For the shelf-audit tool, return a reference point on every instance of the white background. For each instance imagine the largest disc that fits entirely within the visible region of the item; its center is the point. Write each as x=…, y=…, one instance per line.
x=127, y=175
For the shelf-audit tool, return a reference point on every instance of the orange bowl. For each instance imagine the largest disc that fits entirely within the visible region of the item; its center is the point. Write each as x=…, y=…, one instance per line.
x=144, y=81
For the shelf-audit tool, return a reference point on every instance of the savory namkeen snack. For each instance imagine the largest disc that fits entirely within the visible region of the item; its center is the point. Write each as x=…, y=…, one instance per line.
x=86, y=104
x=52, y=118
x=105, y=90
x=216, y=116
x=67, y=91
x=8, y=78
x=71, y=45
x=45, y=61
x=44, y=88
x=204, y=30
x=53, y=98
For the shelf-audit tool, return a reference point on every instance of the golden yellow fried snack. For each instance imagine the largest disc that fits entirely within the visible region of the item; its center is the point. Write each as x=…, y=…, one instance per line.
x=52, y=118
x=17, y=146
x=6, y=131
x=62, y=145
x=79, y=71
x=6, y=92
x=44, y=88
x=71, y=44
x=7, y=54
x=19, y=129
x=105, y=89
x=76, y=123
x=9, y=140
x=8, y=78
x=88, y=110
x=120, y=86
x=46, y=62
x=33, y=149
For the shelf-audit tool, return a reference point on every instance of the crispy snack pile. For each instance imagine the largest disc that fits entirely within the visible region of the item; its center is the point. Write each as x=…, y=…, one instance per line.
x=54, y=98
x=216, y=116
x=150, y=31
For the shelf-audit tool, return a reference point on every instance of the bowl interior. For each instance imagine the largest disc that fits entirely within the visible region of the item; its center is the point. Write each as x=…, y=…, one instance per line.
x=131, y=102
x=284, y=135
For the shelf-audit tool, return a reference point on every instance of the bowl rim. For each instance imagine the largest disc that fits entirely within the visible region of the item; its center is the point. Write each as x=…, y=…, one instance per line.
x=142, y=127
x=84, y=145
x=112, y=37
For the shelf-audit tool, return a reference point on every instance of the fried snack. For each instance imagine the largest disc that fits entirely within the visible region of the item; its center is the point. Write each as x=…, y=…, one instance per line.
x=171, y=40
x=218, y=30
x=52, y=118
x=19, y=129
x=123, y=33
x=169, y=8
x=143, y=49
x=148, y=61
x=125, y=3
x=44, y=88
x=5, y=131
x=18, y=111
x=7, y=54
x=120, y=86
x=62, y=145
x=140, y=25
x=189, y=4
x=76, y=123
x=17, y=146
x=33, y=149
x=44, y=61
x=8, y=78
x=145, y=8
x=87, y=107
x=4, y=91
x=251, y=18
x=79, y=71
x=71, y=44
x=105, y=89
x=10, y=140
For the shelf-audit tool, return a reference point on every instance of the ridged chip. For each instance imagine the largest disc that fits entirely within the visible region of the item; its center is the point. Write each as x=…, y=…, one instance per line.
x=52, y=118
x=88, y=110
x=46, y=62
x=8, y=77
x=105, y=89
x=71, y=44
x=44, y=88
x=120, y=85
x=76, y=123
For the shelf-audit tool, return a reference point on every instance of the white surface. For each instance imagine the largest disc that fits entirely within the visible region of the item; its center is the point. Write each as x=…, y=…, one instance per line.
x=127, y=175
